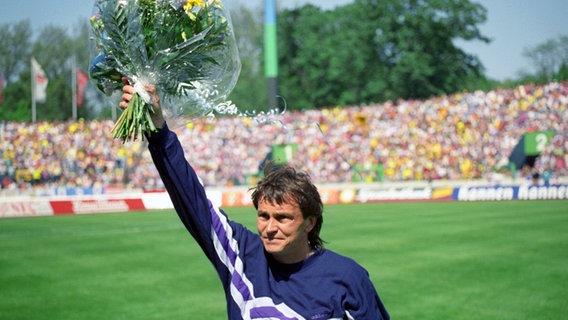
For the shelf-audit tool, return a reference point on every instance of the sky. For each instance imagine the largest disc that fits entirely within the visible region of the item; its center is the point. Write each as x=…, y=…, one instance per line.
x=513, y=25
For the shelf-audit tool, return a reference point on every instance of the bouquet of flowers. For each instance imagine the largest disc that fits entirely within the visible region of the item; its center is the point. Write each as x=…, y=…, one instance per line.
x=185, y=48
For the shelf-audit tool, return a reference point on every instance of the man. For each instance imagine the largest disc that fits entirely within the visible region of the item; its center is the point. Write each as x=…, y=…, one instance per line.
x=283, y=272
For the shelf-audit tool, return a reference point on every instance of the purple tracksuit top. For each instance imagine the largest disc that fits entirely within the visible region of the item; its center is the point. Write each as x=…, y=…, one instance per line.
x=324, y=286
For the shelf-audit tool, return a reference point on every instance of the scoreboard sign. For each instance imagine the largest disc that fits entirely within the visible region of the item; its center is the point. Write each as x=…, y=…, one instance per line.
x=536, y=142
x=283, y=153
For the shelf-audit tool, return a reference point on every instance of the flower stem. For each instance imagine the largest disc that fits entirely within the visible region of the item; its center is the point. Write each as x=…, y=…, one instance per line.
x=133, y=120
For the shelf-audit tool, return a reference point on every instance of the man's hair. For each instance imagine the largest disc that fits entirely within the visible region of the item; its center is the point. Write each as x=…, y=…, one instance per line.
x=284, y=184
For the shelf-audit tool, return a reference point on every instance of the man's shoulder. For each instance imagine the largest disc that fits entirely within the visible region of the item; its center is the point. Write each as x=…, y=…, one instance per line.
x=341, y=262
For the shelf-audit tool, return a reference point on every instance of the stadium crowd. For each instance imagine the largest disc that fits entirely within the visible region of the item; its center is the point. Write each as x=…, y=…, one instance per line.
x=459, y=136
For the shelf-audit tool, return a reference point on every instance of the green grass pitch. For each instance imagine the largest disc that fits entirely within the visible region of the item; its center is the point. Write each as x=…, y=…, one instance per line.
x=449, y=260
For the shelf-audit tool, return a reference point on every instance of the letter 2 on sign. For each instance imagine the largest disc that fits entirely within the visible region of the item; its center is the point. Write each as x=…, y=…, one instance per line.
x=541, y=142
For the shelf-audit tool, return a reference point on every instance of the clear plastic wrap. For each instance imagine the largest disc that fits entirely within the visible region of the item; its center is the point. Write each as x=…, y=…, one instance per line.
x=185, y=48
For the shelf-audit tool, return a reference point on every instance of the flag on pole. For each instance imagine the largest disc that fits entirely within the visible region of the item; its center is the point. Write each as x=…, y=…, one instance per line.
x=82, y=79
x=39, y=81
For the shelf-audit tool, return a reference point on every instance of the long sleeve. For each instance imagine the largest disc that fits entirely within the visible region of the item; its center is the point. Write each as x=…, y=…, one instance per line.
x=186, y=192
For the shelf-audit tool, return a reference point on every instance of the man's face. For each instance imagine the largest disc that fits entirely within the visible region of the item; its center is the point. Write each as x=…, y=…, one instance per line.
x=284, y=231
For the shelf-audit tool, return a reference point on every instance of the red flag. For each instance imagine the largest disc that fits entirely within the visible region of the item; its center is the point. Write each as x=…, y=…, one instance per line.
x=82, y=79
x=40, y=82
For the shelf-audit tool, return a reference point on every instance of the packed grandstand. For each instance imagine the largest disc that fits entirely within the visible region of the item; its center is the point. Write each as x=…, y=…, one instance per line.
x=461, y=136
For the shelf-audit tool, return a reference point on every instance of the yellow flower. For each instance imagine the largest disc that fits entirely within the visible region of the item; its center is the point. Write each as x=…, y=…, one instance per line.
x=189, y=4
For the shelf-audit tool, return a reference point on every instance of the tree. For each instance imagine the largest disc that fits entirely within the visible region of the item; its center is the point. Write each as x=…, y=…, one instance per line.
x=15, y=52
x=550, y=59
x=250, y=91
x=373, y=50
x=17, y=100
x=15, y=49
x=304, y=56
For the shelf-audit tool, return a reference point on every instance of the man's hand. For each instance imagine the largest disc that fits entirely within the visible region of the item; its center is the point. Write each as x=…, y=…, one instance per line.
x=127, y=92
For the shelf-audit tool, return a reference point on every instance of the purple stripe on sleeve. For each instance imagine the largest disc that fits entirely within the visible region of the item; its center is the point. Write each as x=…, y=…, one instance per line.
x=240, y=285
x=268, y=312
x=236, y=277
x=222, y=235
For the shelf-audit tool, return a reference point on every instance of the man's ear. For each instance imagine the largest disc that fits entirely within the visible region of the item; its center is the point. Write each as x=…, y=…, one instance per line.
x=311, y=223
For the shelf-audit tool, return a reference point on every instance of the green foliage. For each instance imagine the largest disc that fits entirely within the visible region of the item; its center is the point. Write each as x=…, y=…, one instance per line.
x=563, y=72
x=15, y=44
x=549, y=60
x=475, y=260
x=250, y=91
x=13, y=108
x=303, y=58
x=373, y=51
